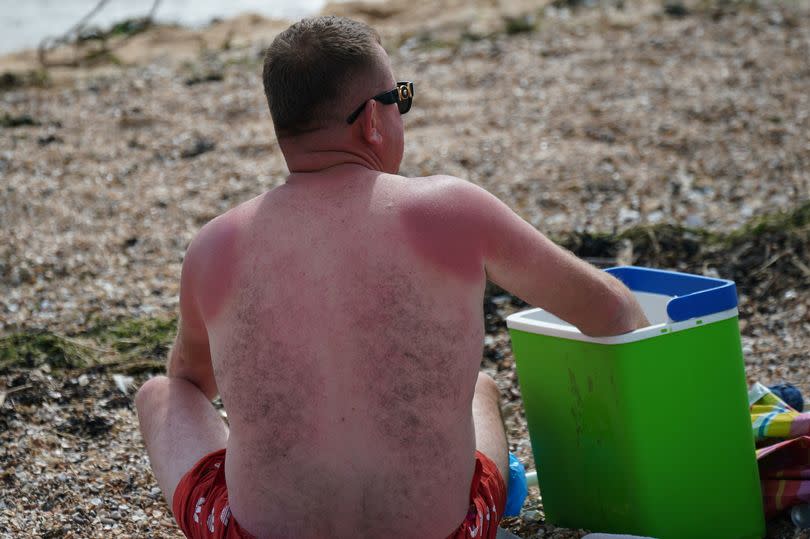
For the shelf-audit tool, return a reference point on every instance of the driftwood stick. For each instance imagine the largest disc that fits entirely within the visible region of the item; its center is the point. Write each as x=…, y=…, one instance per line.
x=50, y=43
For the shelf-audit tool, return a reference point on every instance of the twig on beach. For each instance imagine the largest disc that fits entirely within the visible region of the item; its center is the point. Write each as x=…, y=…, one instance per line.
x=770, y=262
x=74, y=34
x=6, y=393
x=801, y=265
x=654, y=241
x=80, y=344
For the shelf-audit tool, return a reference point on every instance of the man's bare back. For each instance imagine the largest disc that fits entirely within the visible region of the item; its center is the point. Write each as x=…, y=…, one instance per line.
x=346, y=360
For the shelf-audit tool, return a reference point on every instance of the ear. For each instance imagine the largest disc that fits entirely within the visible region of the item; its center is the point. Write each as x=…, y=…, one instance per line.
x=370, y=121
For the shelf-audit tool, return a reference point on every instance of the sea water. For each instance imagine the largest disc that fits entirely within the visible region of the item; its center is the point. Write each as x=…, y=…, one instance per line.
x=23, y=24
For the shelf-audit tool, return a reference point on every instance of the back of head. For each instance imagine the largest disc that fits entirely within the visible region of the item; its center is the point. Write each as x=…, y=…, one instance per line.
x=311, y=68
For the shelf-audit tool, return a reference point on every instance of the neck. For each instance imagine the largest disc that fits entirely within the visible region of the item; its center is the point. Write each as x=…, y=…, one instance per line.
x=319, y=151
x=320, y=160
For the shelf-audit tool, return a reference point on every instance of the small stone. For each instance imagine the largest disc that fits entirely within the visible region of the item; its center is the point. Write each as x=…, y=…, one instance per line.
x=675, y=9
x=508, y=410
x=531, y=516
x=628, y=215
x=693, y=220
x=123, y=383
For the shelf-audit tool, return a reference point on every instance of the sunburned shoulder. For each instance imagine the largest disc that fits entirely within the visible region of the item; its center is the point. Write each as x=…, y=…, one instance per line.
x=447, y=221
x=213, y=235
x=210, y=262
x=223, y=228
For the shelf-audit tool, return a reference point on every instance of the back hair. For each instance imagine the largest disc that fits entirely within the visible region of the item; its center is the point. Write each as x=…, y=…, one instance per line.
x=310, y=67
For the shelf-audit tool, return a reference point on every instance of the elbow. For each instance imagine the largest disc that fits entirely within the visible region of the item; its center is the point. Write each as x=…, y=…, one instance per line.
x=618, y=313
x=207, y=387
x=198, y=373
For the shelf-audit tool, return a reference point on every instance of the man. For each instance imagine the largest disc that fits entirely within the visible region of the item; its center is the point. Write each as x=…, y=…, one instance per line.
x=339, y=316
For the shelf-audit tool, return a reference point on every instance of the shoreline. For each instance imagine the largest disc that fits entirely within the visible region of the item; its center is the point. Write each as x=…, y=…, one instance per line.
x=35, y=21
x=173, y=43
x=160, y=43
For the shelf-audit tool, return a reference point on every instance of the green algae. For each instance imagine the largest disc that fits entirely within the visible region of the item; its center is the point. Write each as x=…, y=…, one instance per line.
x=133, y=346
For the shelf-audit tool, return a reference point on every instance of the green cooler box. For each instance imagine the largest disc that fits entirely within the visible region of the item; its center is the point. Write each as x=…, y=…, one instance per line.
x=646, y=433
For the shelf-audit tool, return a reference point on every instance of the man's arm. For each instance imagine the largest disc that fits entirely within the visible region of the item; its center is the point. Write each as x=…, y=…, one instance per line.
x=520, y=259
x=190, y=357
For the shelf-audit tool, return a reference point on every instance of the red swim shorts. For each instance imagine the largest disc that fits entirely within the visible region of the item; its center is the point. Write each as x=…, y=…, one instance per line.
x=487, y=501
x=201, y=509
x=200, y=503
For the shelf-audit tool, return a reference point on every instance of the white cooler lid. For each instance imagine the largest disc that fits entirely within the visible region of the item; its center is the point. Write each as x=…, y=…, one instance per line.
x=542, y=322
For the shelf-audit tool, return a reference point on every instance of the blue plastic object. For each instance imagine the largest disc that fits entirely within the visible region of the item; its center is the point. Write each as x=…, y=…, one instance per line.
x=518, y=489
x=790, y=394
x=800, y=515
x=694, y=295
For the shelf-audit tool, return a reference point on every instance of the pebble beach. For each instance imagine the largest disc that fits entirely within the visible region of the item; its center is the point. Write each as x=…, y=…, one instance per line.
x=583, y=117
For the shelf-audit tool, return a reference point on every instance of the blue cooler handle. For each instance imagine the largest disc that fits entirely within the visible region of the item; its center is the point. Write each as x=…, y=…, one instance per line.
x=693, y=295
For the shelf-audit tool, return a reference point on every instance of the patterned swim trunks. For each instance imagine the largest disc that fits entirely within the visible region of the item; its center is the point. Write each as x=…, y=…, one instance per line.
x=200, y=503
x=487, y=501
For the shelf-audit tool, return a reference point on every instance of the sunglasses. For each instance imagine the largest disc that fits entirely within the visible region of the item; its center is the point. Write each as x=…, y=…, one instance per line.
x=402, y=95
